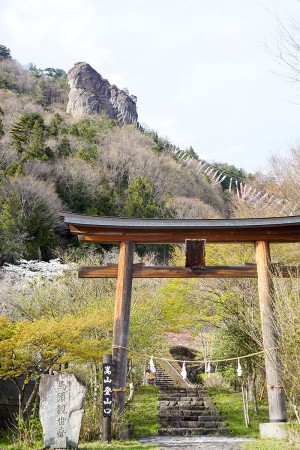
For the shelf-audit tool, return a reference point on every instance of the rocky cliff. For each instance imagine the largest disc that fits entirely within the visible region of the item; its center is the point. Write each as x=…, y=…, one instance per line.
x=90, y=93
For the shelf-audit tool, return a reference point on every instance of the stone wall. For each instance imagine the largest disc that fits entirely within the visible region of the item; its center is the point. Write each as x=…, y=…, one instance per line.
x=9, y=402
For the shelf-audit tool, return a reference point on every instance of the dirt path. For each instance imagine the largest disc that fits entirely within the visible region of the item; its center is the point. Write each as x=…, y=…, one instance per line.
x=196, y=442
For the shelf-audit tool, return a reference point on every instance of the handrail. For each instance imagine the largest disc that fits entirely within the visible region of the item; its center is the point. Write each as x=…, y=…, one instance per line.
x=177, y=373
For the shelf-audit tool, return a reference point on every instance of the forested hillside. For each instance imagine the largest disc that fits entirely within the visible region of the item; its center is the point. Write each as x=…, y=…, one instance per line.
x=52, y=163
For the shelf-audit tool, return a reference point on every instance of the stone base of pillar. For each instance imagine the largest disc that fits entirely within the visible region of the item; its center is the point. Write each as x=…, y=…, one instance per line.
x=272, y=430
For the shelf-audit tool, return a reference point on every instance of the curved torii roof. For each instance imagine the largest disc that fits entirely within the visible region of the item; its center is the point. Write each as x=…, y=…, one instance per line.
x=113, y=230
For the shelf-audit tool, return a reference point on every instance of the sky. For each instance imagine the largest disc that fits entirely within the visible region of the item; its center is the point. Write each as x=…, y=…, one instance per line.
x=199, y=68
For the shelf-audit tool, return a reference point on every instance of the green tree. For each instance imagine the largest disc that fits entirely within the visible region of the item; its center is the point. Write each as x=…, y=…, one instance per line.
x=140, y=199
x=190, y=153
x=64, y=148
x=29, y=136
x=54, y=126
x=231, y=172
x=160, y=144
x=36, y=146
x=34, y=70
x=54, y=73
x=4, y=52
x=90, y=128
x=21, y=131
x=231, y=341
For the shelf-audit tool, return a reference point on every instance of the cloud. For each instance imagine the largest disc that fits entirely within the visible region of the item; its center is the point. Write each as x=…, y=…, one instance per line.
x=197, y=67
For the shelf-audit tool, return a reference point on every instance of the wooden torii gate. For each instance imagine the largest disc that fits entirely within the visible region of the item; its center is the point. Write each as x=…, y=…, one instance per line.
x=126, y=232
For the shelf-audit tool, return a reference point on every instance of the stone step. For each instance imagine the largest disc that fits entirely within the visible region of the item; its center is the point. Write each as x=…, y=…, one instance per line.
x=183, y=394
x=171, y=411
x=192, y=431
x=182, y=402
x=196, y=415
x=177, y=408
x=191, y=388
x=192, y=424
x=201, y=418
x=181, y=397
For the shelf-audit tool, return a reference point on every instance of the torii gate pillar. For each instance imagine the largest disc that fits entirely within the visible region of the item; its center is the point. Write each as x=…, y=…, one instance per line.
x=121, y=322
x=276, y=397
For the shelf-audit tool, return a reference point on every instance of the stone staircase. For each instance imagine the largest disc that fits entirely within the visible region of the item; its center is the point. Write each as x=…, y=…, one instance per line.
x=186, y=411
x=162, y=379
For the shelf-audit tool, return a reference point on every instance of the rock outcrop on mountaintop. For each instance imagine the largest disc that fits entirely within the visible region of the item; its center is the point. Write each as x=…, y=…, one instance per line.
x=90, y=93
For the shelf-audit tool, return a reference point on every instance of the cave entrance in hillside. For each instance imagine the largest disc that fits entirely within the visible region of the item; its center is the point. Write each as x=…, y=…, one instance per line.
x=126, y=232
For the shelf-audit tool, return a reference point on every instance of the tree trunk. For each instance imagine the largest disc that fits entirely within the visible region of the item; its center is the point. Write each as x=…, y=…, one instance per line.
x=245, y=404
x=254, y=392
x=32, y=397
x=21, y=392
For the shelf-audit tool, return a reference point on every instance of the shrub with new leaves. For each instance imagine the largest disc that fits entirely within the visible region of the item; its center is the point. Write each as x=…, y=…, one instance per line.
x=29, y=349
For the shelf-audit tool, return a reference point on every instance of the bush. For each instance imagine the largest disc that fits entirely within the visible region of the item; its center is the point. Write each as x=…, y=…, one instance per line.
x=212, y=380
x=28, y=431
x=292, y=432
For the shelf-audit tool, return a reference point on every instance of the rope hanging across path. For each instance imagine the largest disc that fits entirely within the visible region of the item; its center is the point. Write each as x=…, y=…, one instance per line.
x=235, y=358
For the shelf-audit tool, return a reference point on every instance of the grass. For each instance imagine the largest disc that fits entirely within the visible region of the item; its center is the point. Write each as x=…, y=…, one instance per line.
x=269, y=444
x=114, y=445
x=143, y=411
x=7, y=443
x=230, y=405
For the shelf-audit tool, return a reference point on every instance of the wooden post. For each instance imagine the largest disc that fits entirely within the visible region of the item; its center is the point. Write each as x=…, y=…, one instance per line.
x=276, y=398
x=106, y=435
x=195, y=253
x=121, y=322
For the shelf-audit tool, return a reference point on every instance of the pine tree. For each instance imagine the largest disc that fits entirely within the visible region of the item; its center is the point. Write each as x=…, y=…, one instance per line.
x=4, y=52
x=28, y=136
x=140, y=201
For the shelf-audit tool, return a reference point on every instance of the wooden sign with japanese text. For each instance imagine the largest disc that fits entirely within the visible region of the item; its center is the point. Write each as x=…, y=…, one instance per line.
x=107, y=390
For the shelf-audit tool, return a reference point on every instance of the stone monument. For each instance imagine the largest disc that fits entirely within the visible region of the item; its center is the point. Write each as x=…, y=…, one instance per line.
x=61, y=410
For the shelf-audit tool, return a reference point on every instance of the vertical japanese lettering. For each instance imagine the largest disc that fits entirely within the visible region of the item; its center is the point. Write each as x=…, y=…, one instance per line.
x=107, y=390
